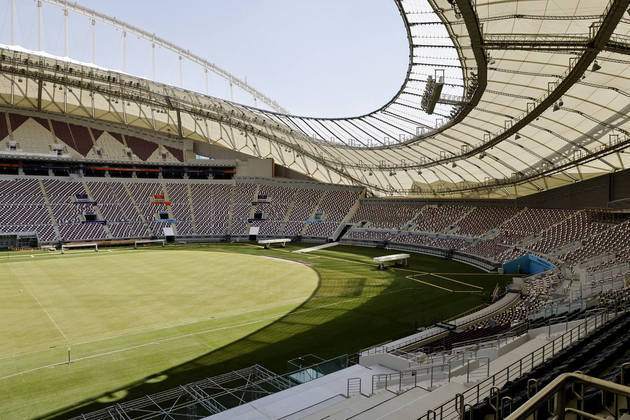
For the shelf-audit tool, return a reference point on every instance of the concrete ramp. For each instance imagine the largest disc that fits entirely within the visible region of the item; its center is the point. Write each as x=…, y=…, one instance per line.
x=315, y=248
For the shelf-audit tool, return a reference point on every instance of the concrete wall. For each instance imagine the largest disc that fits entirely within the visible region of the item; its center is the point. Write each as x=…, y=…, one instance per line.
x=385, y=359
x=609, y=190
x=284, y=172
x=592, y=192
x=255, y=167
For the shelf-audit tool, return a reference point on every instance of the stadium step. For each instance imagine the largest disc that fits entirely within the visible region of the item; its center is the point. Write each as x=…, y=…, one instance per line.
x=49, y=209
x=252, y=209
x=169, y=209
x=312, y=215
x=193, y=219
x=352, y=212
x=98, y=211
x=403, y=401
x=230, y=212
x=352, y=406
x=135, y=205
x=446, y=326
x=285, y=220
x=454, y=226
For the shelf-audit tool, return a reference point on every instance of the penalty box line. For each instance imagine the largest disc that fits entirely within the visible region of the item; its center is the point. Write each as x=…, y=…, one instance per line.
x=457, y=281
x=413, y=277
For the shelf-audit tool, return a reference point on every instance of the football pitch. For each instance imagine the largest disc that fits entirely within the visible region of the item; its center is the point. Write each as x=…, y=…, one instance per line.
x=133, y=322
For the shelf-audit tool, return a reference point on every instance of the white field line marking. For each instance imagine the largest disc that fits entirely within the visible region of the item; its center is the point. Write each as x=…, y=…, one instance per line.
x=164, y=327
x=164, y=340
x=48, y=315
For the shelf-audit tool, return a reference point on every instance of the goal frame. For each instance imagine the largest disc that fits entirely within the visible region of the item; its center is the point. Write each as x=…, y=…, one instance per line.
x=64, y=247
x=148, y=241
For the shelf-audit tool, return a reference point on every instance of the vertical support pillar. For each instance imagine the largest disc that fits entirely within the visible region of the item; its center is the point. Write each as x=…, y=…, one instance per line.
x=93, y=22
x=12, y=22
x=65, y=20
x=153, y=58
x=39, y=25
x=181, y=72
x=124, y=51
x=40, y=83
x=179, y=124
x=206, y=77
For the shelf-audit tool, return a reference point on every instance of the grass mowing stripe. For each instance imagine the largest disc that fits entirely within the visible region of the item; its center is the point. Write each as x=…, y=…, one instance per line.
x=195, y=333
x=354, y=306
x=48, y=315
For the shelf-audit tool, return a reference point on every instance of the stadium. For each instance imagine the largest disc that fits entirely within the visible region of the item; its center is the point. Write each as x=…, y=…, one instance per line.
x=184, y=247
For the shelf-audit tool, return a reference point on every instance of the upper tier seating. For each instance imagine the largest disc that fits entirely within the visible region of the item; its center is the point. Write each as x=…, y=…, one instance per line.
x=211, y=207
x=275, y=209
x=177, y=194
x=221, y=208
x=385, y=215
x=334, y=206
x=23, y=209
x=304, y=205
x=242, y=208
x=616, y=237
x=444, y=243
x=484, y=219
x=370, y=235
x=438, y=218
x=69, y=214
x=574, y=228
x=118, y=210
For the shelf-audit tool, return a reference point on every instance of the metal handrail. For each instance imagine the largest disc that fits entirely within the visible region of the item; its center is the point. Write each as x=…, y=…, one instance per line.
x=396, y=378
x=558, y=385
x=410, y=341
x=527, y=363
x=557, y=318
x=512, y=332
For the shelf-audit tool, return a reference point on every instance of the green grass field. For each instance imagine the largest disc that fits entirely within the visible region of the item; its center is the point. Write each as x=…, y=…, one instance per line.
x=141, y=321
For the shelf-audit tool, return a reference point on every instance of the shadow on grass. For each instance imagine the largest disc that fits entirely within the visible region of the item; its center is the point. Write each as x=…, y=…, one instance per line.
x=326, y=324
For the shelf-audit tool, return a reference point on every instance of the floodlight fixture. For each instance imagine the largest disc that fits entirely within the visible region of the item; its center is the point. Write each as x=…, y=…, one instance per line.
x=596, y=66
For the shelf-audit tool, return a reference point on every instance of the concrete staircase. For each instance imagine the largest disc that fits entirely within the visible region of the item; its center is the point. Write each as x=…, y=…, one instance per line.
x=106, y=228
x=169, y=209
x=135, y=206
x=193, y=221
x=232, y=192
x=351, y=406
x=285, y=220
x=49, y=209
x=312, y=215
x=453, y=228
x=252, y=209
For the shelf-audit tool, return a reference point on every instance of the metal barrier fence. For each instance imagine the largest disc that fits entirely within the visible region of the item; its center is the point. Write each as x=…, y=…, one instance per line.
x=551, y=399
x=453, y=409
x=395, y=382
x=432, y=332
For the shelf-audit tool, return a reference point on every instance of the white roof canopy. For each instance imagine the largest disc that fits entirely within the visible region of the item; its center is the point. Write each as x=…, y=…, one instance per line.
x=536, y=95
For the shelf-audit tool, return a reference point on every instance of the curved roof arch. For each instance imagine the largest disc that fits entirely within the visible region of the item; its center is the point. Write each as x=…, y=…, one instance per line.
x=543, y=102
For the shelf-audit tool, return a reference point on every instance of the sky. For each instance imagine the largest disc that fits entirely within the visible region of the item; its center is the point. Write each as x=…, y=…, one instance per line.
x=327, y=58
